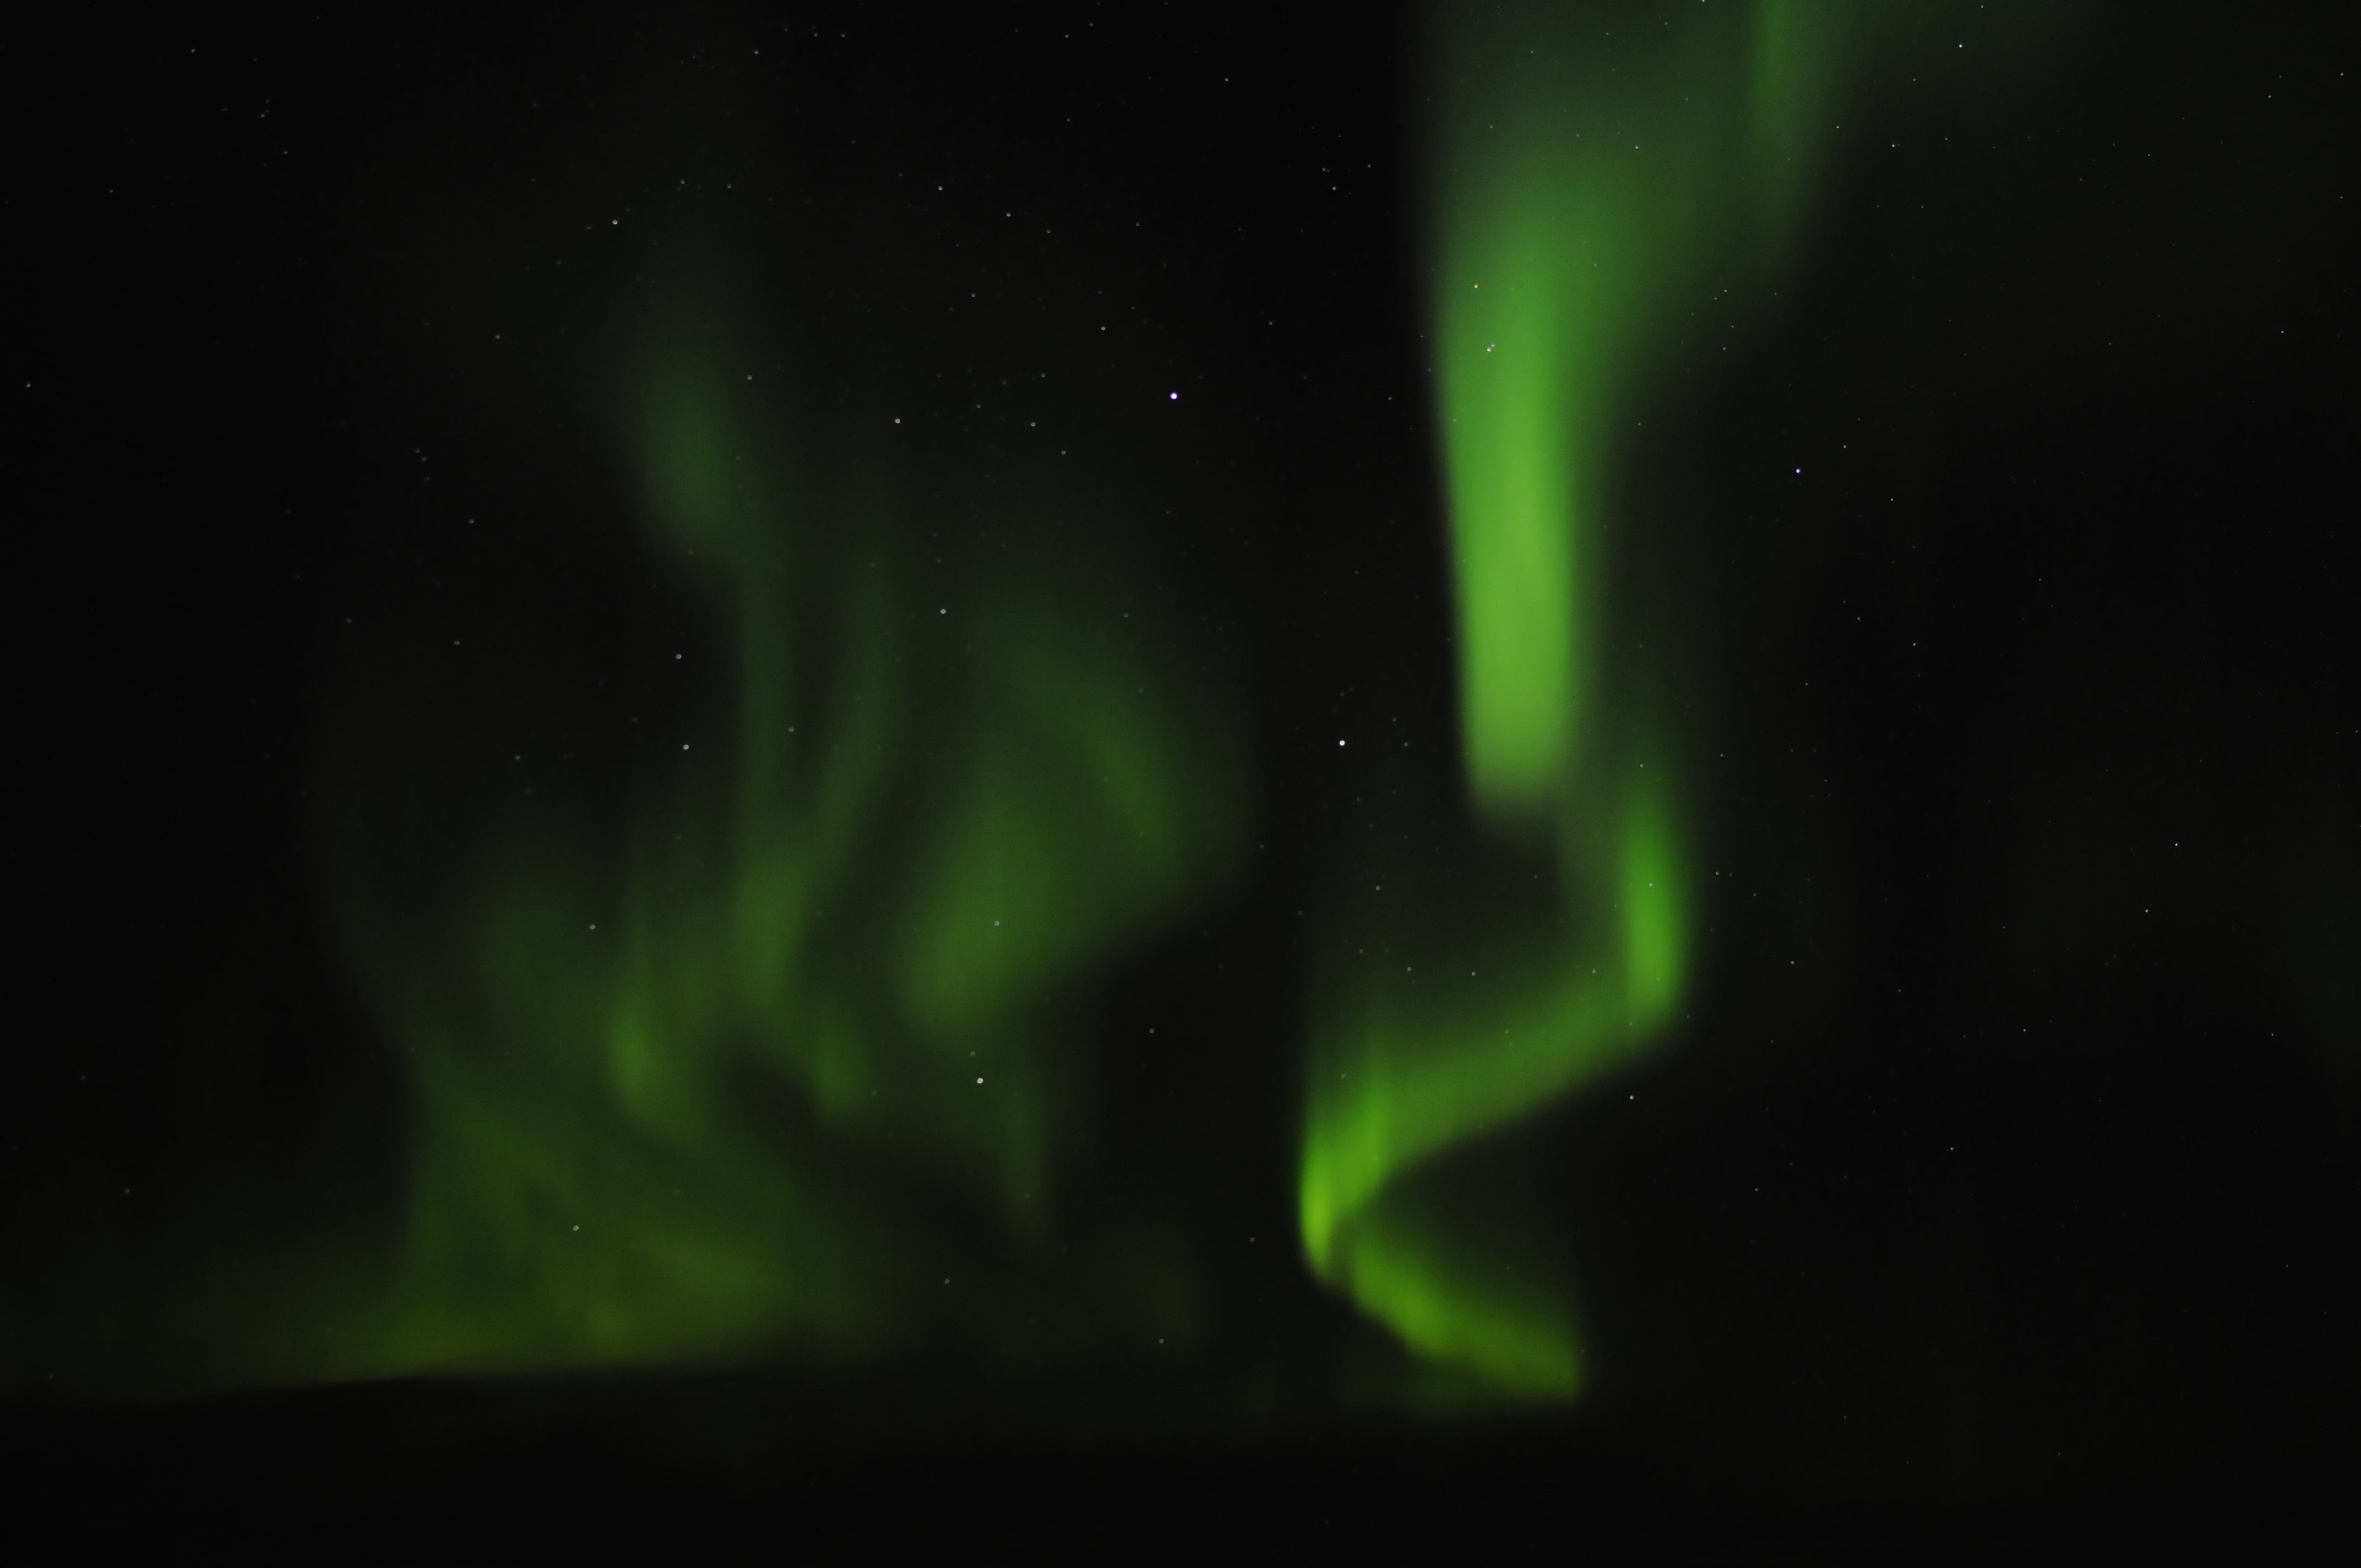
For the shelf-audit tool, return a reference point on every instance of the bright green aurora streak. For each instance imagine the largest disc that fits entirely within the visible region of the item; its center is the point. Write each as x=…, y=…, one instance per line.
x=1600, y=171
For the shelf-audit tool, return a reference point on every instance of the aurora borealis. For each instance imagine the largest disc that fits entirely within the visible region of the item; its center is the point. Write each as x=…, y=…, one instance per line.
x=1583, y=193
x=1618, y=729
x=862, y=899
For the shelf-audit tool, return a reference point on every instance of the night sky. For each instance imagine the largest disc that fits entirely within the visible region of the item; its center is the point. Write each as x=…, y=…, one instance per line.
x=1542, y=774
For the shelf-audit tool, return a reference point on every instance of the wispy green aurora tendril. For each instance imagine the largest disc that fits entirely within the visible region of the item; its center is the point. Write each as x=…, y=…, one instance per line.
x=1597, y=171
x=747, y=1065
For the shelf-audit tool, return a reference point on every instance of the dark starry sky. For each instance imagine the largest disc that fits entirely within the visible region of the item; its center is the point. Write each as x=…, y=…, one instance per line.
x=2007, y=1160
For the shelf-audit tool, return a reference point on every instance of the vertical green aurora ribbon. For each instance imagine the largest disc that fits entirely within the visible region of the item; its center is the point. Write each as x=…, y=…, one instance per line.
x=1598, y=173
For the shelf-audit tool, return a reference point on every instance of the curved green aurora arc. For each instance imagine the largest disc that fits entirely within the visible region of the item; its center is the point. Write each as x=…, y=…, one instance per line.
x=1598, y=173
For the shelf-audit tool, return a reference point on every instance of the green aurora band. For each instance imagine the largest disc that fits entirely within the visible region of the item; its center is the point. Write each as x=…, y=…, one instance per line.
x=1599, y=173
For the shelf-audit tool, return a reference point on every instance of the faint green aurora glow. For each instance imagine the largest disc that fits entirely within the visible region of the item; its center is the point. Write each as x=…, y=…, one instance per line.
x=735, y=1070
x=1597, y=174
